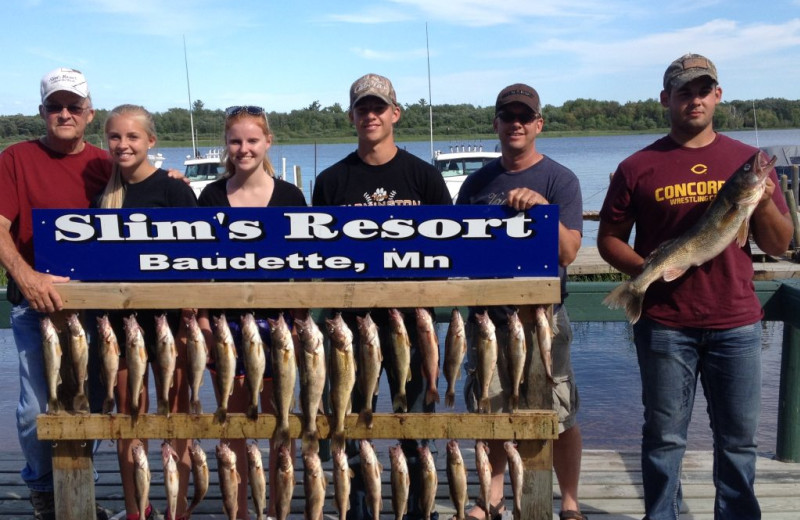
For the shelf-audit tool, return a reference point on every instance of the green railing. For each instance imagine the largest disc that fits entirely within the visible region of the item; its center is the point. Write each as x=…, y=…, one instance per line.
x=781, y=302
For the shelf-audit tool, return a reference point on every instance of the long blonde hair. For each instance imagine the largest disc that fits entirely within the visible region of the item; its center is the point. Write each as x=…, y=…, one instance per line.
x=262, y=122
x=114, y=193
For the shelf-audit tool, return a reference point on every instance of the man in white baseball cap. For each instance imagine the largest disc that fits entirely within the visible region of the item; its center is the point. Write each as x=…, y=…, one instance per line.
x=58, y=170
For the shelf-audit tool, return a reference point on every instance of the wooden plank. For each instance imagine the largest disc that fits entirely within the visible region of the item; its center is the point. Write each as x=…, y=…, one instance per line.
x=73, y=480
x=523, y=425
x=311, y=294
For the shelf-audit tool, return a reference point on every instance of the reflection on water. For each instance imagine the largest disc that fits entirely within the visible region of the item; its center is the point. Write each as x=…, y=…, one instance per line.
x=605, y=366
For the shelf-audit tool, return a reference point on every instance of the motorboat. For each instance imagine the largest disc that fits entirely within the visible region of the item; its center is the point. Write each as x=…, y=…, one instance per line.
x=459, y=162
x=156, y=159
x=203, y=169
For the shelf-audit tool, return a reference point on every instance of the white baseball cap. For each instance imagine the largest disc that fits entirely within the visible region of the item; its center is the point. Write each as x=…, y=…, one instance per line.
x=62, y=78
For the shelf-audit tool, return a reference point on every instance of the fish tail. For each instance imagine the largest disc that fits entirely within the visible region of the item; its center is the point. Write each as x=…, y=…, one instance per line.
x=432, y=396
x=623, y=296
x=450, y=398
x=311, y=442
x=513, y=402
x=195, y=406
x=221, y=415
x=163, y=407
x=108, y=405
x=337, y=440
x=53, y=406
x=81, y=403
x=400, y=402
x=366, y=417
x=281, y=436
x=484, y=406
x=252, y=411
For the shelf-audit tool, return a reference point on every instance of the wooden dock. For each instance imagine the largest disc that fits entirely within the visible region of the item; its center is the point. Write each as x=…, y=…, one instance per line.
x=766, y=267
x=611, y=487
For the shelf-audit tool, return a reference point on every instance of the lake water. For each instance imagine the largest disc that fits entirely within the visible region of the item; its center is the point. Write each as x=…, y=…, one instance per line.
x=603, y=354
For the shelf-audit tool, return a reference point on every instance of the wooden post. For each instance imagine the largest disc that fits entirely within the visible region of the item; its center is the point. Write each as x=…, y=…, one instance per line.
x=73, y=480
x=788, y=439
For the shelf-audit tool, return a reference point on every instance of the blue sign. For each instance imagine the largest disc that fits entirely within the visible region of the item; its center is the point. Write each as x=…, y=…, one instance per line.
x=384, y=242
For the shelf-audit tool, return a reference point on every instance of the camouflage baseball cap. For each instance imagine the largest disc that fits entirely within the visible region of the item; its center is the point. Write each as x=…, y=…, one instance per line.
x=687, y=68
x=372, y=85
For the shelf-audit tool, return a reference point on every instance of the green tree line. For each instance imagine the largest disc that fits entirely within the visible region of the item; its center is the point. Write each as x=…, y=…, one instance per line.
x=317, y=122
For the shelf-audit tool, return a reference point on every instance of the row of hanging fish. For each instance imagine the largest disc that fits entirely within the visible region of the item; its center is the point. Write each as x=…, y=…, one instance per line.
x=311, y=367
x=315, y=481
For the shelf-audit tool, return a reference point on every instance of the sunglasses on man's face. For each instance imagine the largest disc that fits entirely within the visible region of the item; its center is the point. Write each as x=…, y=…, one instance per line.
x=238, y=109
x=54, y=108
x=523, y=117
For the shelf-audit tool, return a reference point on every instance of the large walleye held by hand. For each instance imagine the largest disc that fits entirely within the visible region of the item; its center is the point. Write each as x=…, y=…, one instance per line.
x=726, y=219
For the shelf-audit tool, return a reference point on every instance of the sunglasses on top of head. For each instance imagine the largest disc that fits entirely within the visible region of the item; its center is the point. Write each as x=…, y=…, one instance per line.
x=55, y=108
x=250, y=109
x=523, y=117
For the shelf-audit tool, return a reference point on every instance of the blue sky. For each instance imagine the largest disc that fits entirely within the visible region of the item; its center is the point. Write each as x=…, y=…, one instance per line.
x=284, y=55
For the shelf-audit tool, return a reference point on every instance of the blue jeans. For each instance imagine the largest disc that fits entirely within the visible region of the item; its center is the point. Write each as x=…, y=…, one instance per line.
x=38, y=470
x=728, y=363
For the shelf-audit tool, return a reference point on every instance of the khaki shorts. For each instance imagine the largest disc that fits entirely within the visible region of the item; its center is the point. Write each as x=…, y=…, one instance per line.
x=565, y=392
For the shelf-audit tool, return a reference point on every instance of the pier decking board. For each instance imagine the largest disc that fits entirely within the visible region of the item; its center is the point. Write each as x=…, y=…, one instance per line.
x=611, y=487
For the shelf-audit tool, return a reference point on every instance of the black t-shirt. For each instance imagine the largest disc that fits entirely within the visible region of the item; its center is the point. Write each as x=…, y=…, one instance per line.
x=159, y=191
x=406, y=180
x=283, y=194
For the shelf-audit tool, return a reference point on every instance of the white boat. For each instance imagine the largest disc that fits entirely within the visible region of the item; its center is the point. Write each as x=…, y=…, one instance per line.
x=459, y=162
x=203, y=169
x=156, y=159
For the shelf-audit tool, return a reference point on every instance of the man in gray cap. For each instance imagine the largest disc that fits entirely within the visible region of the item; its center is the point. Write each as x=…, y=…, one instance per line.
x=379, y=173
x=58, y=170
x=522, y=178
x=706, y=323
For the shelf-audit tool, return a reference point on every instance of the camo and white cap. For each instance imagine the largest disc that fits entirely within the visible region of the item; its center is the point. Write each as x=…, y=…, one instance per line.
x=372, y=85
x=687, y=68
x=62, y=78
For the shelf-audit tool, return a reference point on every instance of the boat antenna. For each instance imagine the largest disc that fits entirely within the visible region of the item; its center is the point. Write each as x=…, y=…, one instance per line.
x=189, y=91
x=430, y=105
x=755, y=122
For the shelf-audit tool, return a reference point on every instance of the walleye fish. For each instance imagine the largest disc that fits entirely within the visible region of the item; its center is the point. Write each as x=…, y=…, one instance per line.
x=109, y=359
x=370, y=358
x=515, y=472
x=726, y=219
x=257, y=478
x=313, y=372
x=457, y=479
x=400, y=481
x=225, y=362
x=51, y=349
x=429, y=346
x=401, y=350
x=169, y=458
x=430, y=482
x=199, y=475
x=255, y=361
x=284, y=368
x=487, y=358
x=455, y=346
x=544, y=336
x=484, y=476
x=371, y=473
x=229, y=479
x=284, y=483
x=515, y=355
x=342, y=475
x=197, y=359
x=136, y=359
x=141, y=478
x=342, y=375
x=314, y=484
x=167, y=356
x=79, y=348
